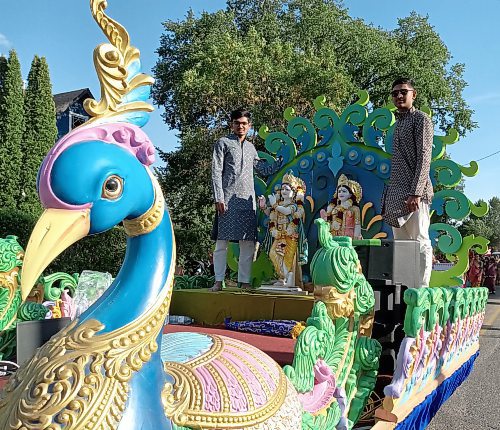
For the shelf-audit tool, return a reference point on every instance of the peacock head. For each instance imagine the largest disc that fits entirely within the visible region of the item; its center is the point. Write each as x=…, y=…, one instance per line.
x=91, y=180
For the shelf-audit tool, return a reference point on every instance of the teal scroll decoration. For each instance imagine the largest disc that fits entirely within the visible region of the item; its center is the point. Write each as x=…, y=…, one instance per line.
x=360, y=139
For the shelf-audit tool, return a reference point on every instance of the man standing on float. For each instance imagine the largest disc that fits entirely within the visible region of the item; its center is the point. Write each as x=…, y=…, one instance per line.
x=406, y=200
x=233, y=162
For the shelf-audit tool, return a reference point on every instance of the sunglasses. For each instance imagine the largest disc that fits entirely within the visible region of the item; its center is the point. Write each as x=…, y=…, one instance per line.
x=403, y=92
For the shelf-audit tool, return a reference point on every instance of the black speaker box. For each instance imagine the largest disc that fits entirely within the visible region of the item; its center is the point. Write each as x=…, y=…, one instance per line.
x=394, y=262
x=31, y=335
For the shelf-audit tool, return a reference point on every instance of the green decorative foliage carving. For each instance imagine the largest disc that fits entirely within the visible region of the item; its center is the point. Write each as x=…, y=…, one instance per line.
x=31, y=311
x=452, y=202
x=449, y=173
x=451, y=277
x=471, y=170
x=10, y=254
x=449, y=242
x=337, y=333
x=12, y=310
x=366, y=363
x=9, y=304
x=480, y=210
x=334, y=263
x=56, y=283
x=427, y=307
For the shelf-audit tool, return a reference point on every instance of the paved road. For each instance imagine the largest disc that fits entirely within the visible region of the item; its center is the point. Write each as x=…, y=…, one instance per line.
x=475, y=405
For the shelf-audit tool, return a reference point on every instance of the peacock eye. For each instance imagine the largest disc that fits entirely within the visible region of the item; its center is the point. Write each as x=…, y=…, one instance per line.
x=112, y=188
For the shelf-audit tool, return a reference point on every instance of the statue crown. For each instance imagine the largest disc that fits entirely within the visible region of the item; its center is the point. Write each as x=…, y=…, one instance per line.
x=297, y=184
x=354, y=186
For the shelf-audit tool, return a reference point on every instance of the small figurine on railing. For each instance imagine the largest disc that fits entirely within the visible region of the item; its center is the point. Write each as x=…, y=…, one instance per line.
x=343, y=212
x=285, y=241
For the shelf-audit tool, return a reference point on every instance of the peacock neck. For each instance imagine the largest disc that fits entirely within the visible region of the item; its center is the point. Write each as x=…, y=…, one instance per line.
x=142, y=279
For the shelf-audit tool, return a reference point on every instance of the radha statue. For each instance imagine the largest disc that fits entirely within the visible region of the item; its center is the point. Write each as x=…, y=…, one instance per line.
x=285, y=241
x=343, y=212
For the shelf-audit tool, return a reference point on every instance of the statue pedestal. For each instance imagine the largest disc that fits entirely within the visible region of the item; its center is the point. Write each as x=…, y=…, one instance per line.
x=281, y=290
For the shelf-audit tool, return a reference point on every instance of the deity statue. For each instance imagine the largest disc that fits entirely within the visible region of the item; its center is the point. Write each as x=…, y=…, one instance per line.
x=285, y=241
x=343, y=212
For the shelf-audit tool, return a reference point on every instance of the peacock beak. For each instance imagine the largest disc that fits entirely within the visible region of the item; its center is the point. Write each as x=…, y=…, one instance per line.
x=56, y=230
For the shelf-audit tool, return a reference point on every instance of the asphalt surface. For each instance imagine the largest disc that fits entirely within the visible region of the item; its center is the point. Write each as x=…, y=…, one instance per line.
x=475, y=405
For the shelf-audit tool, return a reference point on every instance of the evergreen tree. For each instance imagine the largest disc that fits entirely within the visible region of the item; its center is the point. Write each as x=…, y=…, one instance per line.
x=3, y=72
x=40, y=132
x=11, y=128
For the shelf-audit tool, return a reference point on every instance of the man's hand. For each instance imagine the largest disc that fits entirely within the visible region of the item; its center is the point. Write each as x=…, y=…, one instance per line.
x=413, y=203
x=220, y=207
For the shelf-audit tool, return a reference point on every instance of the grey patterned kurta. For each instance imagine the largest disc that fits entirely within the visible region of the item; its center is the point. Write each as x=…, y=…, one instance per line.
x=410, y=166
x=233, y=184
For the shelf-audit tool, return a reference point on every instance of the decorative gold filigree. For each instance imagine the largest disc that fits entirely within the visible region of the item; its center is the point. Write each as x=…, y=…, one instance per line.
x=112, y=62
x=148, y=221
x=254, y=371
x=36, y=294
x=183, y=400
x=80, y=378
x=337, y=304
x=366, y=324
x=295, y=183
x=10, y=282
x=211, y=354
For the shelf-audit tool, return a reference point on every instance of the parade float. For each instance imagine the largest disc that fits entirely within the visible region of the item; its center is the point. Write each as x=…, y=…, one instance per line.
x=113, y=367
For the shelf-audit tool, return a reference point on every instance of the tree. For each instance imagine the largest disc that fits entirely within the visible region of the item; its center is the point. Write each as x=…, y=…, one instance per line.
x=11, y=128
x=40, y=133
x=189, y=199
x=487, y=226
x=267, y=55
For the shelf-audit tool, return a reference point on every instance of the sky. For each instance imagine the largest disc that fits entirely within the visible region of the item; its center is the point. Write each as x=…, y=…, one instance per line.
x=64, y=32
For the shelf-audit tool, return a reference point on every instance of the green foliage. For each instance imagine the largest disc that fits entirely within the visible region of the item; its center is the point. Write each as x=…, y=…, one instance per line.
x=274, y=54
x=269, y=55
x=486, y=226
x=40, y=132
x=11, y=128
x=186, y=183
x=103, y=253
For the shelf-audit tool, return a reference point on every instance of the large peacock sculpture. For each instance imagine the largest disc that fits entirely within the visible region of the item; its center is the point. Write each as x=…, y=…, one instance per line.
x=104, y=370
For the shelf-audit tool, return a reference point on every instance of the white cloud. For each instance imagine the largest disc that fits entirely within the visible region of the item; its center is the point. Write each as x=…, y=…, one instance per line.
x=4, y=42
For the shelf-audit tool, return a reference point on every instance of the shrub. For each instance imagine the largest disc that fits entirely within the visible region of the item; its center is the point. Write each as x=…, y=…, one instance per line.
x=103, y=253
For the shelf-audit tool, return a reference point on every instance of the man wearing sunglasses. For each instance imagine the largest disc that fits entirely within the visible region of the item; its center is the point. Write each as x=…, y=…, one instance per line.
x=407, y=198
x=233, y=162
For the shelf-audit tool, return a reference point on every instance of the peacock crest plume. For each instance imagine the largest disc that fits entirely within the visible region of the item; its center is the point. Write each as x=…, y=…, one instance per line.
x=124, y=89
